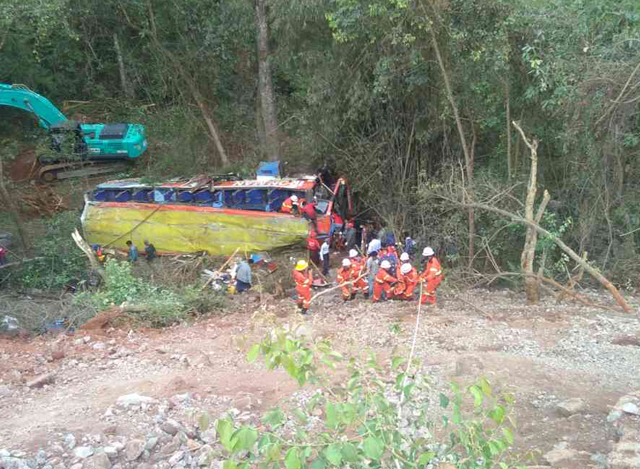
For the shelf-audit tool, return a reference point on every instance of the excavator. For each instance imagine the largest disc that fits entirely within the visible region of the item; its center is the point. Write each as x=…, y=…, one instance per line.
x=76, y=149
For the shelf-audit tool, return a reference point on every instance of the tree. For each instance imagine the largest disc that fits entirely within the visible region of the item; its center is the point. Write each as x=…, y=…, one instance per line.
x=266, y=93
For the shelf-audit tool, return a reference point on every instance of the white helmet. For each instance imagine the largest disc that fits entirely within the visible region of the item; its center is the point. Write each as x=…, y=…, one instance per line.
x=385, y=264
x=405, y=268
x=294, y=198
x=427, y=252
x=346, y=263
x=404, y=257
x=353, y=253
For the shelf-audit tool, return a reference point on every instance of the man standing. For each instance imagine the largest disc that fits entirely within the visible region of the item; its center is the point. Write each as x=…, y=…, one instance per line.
x=383, y=282
x=432, y=275
x=324, y=256
x=243, y=276
x=309, y=213
x=132, y=256
x=314, y=248
x=150, y=251
x=409, y=244
x=350, y=233
x=344, y=276
x=303, y=279
x=373, y=265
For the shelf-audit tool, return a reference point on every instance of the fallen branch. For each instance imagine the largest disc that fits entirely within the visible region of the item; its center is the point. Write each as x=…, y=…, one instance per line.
x=350, y=282
x=10, y=264
x=82, y=244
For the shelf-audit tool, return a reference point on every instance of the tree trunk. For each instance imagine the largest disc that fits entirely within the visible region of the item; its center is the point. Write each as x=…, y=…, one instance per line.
x=262, y=135
x=265, y=84
x=531, y=237
x=508, y=109
x=22, y=234
x=84, y=247
x=126, y=86
x=468, y=155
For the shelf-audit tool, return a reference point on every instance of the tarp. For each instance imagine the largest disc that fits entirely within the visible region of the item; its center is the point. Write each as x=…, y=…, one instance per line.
x=189, y=229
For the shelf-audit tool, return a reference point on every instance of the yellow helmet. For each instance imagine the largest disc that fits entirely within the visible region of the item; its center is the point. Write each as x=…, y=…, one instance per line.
x=301, y=265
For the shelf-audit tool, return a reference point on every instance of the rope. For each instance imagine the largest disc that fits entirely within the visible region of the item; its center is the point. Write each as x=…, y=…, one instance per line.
x=134, y=228
x=413, y=348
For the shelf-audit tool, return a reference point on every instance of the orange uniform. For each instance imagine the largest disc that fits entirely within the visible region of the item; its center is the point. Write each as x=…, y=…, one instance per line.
x=432, y=275
x=287, y=206
x=303, y=279
x=409, y=282
x=357, y=270
x=344, y=276
x=382, y=283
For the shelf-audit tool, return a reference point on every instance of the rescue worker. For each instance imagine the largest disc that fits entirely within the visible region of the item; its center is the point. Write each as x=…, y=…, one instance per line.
x=410, y=280
x=303, y=279
x=350, y=233
x=243, y=276
x=100, y=255
x=360, y=284
x=404, y=258
x=309, y=213
x=383, y=282
x=313, y=245
x=289, y=205
x=431, y=275
x=409, y=244
x=344, y=276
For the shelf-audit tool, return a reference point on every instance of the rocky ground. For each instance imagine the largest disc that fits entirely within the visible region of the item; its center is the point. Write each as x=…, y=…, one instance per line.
x=112, y=398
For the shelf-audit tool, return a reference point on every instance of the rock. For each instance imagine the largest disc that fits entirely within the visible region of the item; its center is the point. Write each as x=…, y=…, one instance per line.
x=176, y=458
x=41, y=458
x=83, y=452
x=99, y=346
x=199, y=360
x=86, y=339
x=151, y=443
x=303, y=331
x=41, y=380
x=134, y=449
x=171, y=427
x=8, y=462
x=111, y=452
x=559, y=454
x=631, y=408
x=76, y=466
x=193, y=445
x=57, y=354
x=110, y=429
x=468, y=366
x=172, y=446
x=570, y=407
x=70, y=441
x=205, y=455
x=78, y=342
x=5, y=391
x=98, y=461
x=135, y=399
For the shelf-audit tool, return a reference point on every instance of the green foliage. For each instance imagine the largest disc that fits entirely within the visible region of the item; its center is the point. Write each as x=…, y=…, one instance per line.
x=58, y=260
x=162, y=306
x=379, y=416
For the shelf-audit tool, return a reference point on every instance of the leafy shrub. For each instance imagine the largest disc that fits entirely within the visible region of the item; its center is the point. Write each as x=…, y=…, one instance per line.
x=380, y=416
x=162, y=305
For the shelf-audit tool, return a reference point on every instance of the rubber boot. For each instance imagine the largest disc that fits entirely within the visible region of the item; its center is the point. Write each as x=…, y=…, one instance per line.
x=353, y=296
x=366, y=295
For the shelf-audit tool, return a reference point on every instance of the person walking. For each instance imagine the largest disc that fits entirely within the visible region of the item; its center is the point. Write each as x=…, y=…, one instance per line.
x=344, y=276
x=303, y=279
x=132, y=256
x=324, y=257
x=431, y=275
x=150, y=251
x=243, y=276
x=383, y=283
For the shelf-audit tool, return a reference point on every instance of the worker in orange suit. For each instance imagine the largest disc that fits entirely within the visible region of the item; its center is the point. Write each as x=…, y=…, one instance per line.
x=303, y=278
x=409, y=278
x=431, y=275
x=360, y=283
x=313, y=245
x=289, y=205
x=344, y=276
x=383, y=282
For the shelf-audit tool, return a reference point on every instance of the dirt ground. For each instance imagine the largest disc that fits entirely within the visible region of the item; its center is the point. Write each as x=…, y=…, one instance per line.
x=543, y=354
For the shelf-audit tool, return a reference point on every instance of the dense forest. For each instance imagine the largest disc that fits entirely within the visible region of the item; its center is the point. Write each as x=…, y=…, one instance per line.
x=412, y=100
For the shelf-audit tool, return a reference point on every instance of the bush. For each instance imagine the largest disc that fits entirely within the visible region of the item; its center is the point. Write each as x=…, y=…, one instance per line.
x=379, y=416
x=162, y=306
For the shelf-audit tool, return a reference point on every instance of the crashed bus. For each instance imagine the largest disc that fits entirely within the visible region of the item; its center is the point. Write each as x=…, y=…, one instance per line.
x=216, y=215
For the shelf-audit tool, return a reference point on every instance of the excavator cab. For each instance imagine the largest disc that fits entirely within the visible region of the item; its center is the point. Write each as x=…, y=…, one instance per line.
x=66, y=138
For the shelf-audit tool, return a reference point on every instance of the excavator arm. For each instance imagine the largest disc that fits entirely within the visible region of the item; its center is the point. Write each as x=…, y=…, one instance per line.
x=21, y=97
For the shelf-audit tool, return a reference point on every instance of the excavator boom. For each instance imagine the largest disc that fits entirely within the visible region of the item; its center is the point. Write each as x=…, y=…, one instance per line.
x=21, y=97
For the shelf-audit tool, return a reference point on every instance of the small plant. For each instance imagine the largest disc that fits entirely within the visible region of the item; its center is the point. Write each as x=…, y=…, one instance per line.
x=378, y=417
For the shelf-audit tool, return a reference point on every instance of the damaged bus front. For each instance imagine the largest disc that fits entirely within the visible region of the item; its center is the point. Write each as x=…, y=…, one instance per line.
x=214, y=215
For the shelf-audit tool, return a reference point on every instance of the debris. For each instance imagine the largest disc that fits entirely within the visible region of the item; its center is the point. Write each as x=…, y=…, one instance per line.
x=134, y=449
x=42, y=380
x=83, y=452
x=134, y=399
x=570, y=407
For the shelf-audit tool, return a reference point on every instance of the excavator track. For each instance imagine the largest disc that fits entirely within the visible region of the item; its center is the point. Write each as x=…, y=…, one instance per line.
x=64, y=170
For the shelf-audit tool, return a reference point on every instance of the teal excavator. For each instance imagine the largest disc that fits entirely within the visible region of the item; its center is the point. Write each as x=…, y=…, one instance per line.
x=77, y=149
